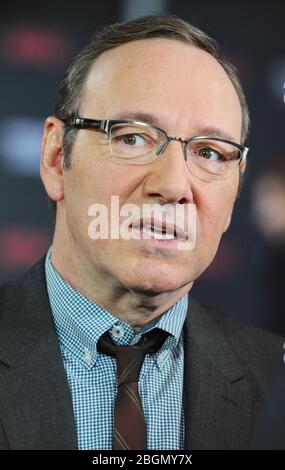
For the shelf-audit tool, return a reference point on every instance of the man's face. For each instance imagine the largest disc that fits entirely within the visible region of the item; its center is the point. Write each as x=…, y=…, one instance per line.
x=185, y=91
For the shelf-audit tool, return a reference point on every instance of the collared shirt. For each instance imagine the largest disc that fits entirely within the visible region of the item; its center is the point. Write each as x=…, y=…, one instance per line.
x=92, y=377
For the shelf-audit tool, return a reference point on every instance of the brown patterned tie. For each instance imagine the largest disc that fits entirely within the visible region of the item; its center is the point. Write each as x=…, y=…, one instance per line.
x=129, y=421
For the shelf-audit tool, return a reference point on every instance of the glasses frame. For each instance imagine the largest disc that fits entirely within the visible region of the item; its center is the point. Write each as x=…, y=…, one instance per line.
x=105, y=125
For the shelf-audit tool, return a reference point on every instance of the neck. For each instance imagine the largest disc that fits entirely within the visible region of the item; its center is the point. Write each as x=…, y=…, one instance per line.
x=132, y=306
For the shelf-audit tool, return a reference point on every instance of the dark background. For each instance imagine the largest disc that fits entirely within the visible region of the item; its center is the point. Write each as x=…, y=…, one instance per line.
x=37, y=41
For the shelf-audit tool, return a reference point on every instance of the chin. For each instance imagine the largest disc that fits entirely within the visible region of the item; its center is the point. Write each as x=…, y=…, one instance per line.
x=154, y=282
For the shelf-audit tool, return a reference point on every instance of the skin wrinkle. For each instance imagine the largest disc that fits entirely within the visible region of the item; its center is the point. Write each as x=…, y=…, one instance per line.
x=136, y=281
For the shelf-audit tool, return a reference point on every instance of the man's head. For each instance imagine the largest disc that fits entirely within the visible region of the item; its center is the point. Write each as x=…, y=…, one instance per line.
x=164, y=68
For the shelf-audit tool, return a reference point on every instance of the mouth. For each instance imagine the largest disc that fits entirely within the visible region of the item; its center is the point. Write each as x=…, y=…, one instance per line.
x=157, y=230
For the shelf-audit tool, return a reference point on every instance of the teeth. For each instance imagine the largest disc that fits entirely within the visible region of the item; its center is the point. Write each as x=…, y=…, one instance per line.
x=150, y=233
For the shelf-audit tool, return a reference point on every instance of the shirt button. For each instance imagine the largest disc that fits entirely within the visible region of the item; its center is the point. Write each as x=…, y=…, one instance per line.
x=118, y=331
x=87, y=357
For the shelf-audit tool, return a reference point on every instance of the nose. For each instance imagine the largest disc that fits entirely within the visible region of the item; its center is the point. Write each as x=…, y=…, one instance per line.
x=169, y=178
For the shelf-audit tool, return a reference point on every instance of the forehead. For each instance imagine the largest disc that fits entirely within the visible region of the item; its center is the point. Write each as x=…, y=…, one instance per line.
x=163, y=77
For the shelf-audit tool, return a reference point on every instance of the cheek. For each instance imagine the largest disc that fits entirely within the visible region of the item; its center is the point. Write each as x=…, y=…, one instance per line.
x=214, y=205
x=95, y=178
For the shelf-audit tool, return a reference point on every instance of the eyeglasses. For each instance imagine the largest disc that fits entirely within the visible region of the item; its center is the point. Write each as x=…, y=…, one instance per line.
x=138, y=143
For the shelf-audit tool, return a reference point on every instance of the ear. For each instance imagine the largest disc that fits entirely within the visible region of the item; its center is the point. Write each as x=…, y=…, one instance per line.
x=51, y=167
x=242, y=167
x=228, y=220
x=229, y=215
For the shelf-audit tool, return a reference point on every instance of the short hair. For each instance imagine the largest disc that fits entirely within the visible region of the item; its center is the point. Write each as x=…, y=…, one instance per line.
x=152, y=26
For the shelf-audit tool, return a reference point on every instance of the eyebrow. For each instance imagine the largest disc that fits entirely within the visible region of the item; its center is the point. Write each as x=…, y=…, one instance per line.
x=143, y=117
x=155, y=121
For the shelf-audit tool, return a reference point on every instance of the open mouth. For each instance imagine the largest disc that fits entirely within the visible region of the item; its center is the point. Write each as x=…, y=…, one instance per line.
x=157, y=230
x=149, y=231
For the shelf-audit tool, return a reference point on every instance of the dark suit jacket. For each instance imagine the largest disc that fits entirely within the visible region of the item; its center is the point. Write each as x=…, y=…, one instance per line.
x=228, y=365
x=270, y=426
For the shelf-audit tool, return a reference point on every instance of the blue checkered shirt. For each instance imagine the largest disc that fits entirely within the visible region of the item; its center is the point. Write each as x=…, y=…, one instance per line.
x=92, y=377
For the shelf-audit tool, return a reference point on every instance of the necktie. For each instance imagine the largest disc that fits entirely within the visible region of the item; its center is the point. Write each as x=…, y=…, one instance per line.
x=129, y=421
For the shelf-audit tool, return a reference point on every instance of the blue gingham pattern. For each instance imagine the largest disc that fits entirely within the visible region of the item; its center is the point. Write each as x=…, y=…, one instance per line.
x=92, y=376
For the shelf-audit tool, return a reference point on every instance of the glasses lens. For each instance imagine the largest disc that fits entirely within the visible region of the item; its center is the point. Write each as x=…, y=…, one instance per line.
x=135, y=143
x=213, y=159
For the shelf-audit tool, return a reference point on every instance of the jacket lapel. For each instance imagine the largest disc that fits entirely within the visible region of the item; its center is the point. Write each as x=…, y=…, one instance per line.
x=35, y=403
x=218, y=396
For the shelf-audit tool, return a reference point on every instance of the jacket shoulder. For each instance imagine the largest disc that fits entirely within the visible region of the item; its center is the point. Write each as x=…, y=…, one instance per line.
x=234, y=327
x=3, y=288
x=261, y=352
x=19, y=290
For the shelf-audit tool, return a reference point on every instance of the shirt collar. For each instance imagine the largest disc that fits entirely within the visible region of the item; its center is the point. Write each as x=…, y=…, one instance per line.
x=80, y=322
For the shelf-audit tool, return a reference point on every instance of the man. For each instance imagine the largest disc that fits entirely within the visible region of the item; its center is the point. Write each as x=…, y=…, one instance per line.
x=150, y=114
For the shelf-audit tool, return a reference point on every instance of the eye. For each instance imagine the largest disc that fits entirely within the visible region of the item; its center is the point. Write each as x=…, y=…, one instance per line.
x=137, y=140
x=210, y=154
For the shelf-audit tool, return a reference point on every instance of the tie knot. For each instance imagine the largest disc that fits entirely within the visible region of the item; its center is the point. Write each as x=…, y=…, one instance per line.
x=130, y=358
